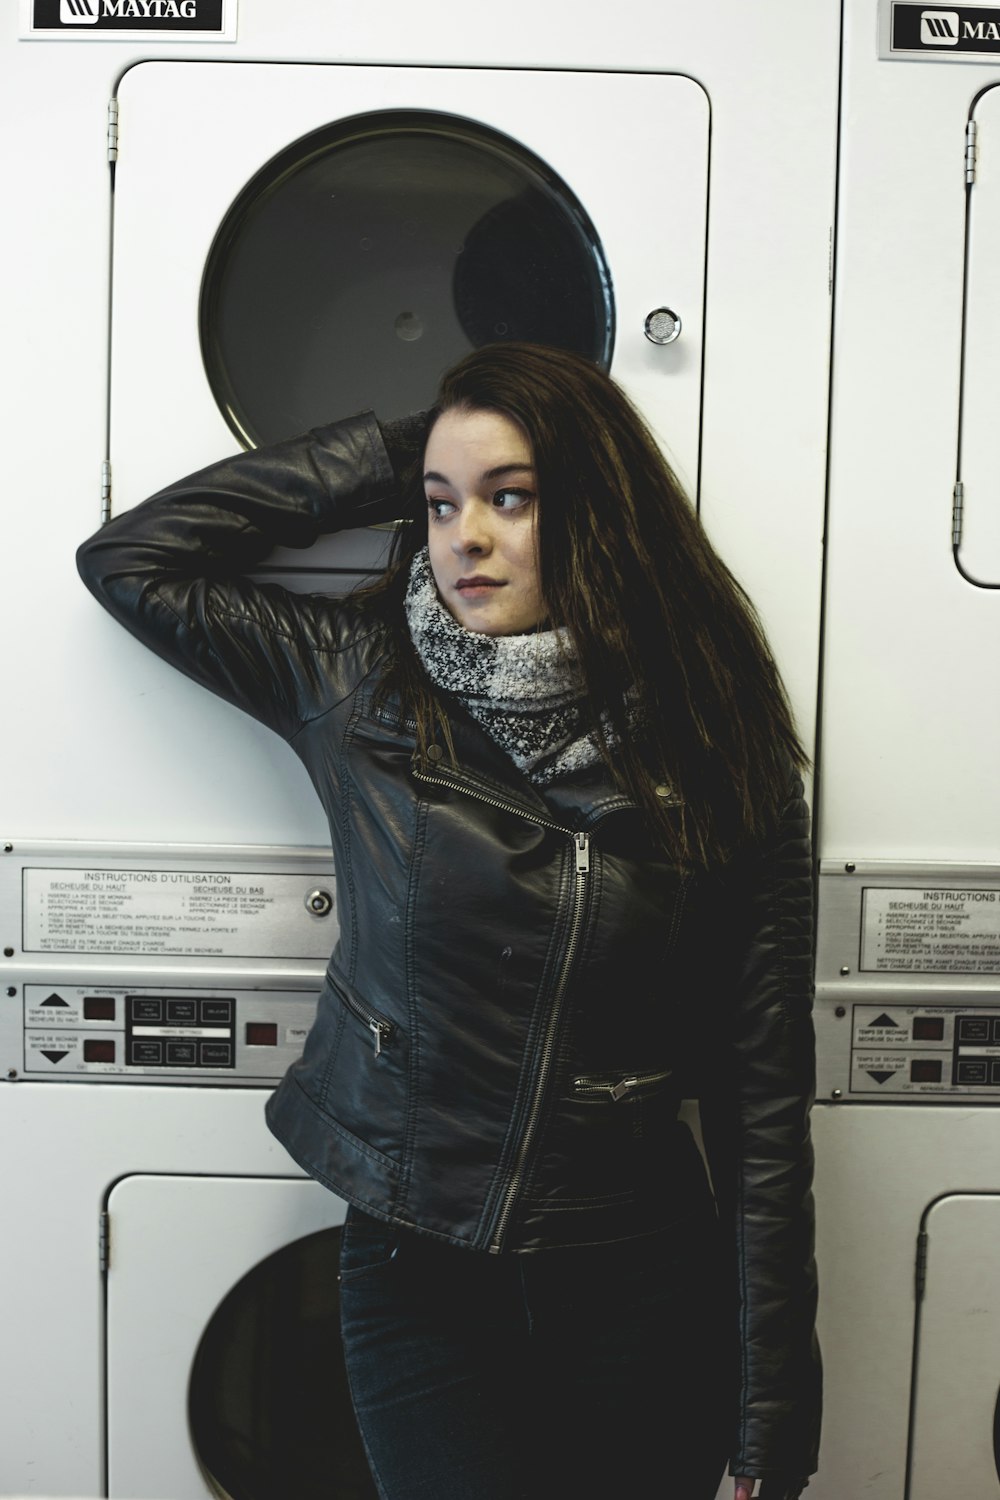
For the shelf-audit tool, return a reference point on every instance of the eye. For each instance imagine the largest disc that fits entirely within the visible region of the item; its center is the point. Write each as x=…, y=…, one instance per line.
x=439, y=509
x=512, y=499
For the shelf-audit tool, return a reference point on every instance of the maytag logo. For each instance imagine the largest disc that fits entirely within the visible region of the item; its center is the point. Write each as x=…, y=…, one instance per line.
x=113, y=20
x=89, y=12
x=939, y=28
x=959, y=34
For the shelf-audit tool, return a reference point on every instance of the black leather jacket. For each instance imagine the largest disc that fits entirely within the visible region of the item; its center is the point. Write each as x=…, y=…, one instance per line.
x=524, y=987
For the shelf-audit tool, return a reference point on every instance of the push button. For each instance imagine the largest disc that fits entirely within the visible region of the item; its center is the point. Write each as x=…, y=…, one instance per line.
x=216, y=1012
x=974, y=1028
x=145, y=1009
x=972, y=1071
x=182, y=1012
x=216, y=1055
x=182, y=1054
x=146, y=1054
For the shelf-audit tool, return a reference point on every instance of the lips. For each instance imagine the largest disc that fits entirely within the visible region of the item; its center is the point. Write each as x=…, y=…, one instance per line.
x=479, y=583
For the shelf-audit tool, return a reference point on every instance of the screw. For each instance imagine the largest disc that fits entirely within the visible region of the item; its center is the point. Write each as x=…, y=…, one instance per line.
x=844, y=969
x=8, y=848
x=841, y=1011
x=850, y=867
x=11, y=989
x=8, y=953
x=11, y=1072
x=837, y=1094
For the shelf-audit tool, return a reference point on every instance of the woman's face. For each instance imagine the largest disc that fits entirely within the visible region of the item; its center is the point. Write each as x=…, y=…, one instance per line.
x=482, y=524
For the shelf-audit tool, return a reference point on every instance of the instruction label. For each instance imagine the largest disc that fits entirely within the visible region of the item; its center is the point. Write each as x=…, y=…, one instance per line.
x=183, y=913
x=931, y=930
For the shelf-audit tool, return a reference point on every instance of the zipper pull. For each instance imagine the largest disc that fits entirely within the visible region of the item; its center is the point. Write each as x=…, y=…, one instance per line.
x=582, y=842
x=375, y=1027
x=621, y=1088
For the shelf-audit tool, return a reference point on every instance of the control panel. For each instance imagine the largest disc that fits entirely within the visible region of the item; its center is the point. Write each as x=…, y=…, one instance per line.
x=160, y=964
x=200, y=1035
x=908, y=983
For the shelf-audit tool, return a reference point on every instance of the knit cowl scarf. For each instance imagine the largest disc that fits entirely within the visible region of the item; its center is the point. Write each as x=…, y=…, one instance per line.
x=526, y=691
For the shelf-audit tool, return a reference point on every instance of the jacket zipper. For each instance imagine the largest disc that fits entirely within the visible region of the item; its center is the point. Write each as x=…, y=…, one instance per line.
x=581, y=843
x=618, y=1087
x=380, y=1029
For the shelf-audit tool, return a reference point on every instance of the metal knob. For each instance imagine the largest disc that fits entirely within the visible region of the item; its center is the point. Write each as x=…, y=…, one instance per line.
x=662, y=326
x=319, y=903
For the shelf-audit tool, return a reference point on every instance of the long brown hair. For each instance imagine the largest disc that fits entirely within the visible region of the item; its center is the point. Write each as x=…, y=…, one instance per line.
x=651, y=607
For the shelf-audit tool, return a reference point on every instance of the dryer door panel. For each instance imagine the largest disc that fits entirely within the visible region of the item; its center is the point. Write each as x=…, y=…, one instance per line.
x=956, y=1421
x=570, y=146
x=180, y=1250
x=979, y=468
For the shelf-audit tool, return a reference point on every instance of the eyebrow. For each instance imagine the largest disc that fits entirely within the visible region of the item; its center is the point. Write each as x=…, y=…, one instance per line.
x=495, y=473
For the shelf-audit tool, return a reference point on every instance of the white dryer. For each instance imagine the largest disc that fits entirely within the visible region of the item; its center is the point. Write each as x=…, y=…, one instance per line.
x=349, y=243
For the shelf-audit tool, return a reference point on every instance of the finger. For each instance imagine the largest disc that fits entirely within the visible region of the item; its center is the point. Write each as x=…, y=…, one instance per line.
x=744, y=1489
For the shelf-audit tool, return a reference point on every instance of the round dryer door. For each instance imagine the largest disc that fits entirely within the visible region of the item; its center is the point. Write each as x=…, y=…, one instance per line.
x=367, y=257
x=269, y=1407
x=222, y=1342
x=295, y=242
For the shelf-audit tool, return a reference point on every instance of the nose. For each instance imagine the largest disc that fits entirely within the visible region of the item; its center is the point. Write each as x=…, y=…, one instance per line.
x=472, y=536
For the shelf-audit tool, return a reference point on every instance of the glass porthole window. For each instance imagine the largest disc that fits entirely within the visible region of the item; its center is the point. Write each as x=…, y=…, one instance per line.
x=367, y=257
x=268, y=1403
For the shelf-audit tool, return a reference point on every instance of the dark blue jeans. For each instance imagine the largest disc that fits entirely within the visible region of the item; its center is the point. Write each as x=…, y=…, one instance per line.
x=583, y=1372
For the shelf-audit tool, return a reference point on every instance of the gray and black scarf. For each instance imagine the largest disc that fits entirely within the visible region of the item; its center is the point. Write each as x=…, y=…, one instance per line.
x=525, y=690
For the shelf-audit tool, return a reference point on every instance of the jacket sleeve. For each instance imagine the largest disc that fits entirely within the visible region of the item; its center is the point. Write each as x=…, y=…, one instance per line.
x=172, y=570
x=755, y=1101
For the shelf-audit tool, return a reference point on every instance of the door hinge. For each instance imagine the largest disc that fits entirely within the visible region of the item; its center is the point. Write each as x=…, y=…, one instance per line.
x=112, y=130
x=105, y=490
x=970, y=152
x=957, y=502
x=104, y=1241
x=920, y=1277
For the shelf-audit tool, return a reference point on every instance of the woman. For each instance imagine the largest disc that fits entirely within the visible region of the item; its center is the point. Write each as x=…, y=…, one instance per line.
x=574, y=887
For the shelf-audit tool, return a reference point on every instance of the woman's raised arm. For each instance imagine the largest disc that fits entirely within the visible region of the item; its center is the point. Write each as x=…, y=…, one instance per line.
x=172, y=570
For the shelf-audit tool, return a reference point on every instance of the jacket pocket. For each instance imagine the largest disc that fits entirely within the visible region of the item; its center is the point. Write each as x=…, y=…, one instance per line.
x=381, y=1028
x=366, y=1245
x=365, y=1074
